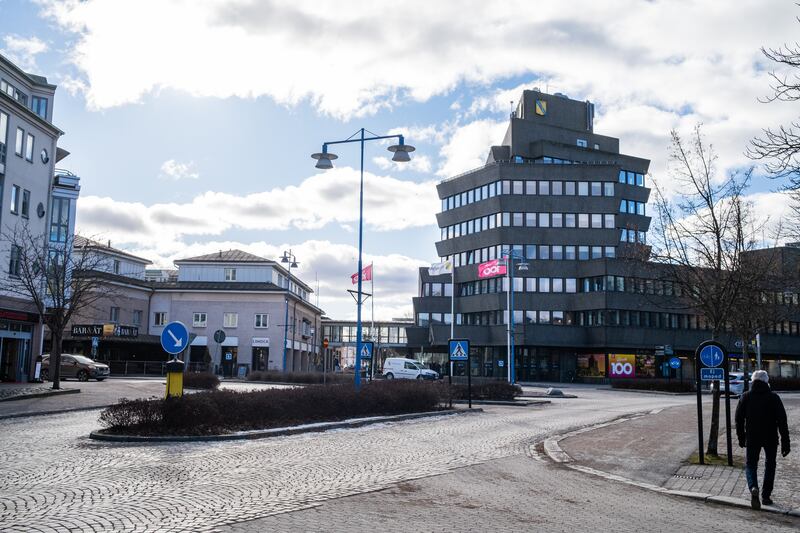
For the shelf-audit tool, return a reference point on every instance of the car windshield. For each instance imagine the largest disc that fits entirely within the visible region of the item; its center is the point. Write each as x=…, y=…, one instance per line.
x=83, y=360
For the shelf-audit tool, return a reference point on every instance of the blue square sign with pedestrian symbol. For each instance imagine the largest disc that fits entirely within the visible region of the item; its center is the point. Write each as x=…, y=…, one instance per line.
x=366, y=350
x=459, y=349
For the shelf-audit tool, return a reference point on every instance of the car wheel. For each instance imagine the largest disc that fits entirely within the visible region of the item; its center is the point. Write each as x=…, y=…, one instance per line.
x=83, y=376
x=389, y=376
x=100, y=379
x=419, y=377
x=45, y=375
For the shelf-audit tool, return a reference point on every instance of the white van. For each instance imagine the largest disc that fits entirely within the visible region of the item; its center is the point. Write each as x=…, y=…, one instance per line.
x=402, y=368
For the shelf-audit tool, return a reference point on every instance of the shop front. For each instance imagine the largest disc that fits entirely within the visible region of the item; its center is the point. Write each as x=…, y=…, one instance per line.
x=16, y=344
x=260, y=355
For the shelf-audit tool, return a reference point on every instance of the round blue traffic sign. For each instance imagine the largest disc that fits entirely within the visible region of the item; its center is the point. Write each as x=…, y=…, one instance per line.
x=711, y=356
x=675, y=363
x=174, y=338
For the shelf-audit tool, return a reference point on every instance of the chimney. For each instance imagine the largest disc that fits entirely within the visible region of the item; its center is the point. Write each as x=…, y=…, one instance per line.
x=220, y=254
x=109, y=243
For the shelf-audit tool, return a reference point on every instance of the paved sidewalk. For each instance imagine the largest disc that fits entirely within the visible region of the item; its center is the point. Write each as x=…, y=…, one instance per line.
x=655, y=449
x=13, y=391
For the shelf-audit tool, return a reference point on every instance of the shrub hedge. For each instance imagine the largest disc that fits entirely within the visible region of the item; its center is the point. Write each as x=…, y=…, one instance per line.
x=299, y=377
x=487, y=390
x=662, y=385
x=225, y=411
x=784, y=384
x=200, y=380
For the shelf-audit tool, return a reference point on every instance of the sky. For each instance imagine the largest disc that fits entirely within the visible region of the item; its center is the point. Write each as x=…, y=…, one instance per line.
x=191, y=122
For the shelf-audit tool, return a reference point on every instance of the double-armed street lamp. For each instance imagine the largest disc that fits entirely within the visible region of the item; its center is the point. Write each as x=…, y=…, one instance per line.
x=324, y=159
x=287, y=257
x=510, y=255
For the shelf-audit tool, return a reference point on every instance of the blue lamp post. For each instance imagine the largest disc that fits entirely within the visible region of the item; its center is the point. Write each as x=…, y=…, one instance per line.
x=324, y=161
x=288, y=257
x=510, y=255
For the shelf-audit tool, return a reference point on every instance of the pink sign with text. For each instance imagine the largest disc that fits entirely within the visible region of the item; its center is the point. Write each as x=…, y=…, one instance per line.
x=492, y=268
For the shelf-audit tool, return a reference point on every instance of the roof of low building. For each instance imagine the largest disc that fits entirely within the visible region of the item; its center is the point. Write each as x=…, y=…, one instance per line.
x=84, y=242
x=228, y=256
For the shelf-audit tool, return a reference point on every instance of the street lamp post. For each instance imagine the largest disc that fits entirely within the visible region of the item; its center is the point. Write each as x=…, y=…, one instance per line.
x=288, y=257
x=510, y=255
x=324, y=161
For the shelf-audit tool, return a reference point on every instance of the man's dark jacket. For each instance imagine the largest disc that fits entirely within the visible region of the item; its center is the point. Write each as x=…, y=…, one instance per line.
x=760, y=416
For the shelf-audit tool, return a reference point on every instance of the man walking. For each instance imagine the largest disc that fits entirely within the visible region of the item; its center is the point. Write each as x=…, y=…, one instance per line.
x=760, y=416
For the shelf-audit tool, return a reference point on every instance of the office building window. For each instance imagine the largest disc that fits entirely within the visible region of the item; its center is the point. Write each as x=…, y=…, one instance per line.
x=3, y=140
x=583, y=253
x=114, y=315
x=230, y=274
x=544, y=187
x=583, y=188
x=518, y=187
x=230, y=320
x=39, y=106
x=557, y=188
x=596, y=188
x=544, y=220
x=16, y=197
x=569, y=188
x=608, y=188
x=544, y=252
x=199, y=320
x=159, y=318
x=557, y=252
x=530, y=187
x=15, y=263
x=583, y=143
x=557, y=220
x=569, y=220
x=610, y=252
x=518, y=219
x=597, y=252
x=597, y=220
x=59, y=220
x=530, y=220
x=29, y=148
x=19, y=145
x=137, y=317
x=544, y=284
x=608, y=221
x=262, y=320
x=569, y=253
x=26, y=203
x=583, y=220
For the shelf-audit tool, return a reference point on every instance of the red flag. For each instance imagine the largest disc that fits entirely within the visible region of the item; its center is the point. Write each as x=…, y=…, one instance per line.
x=366, y=275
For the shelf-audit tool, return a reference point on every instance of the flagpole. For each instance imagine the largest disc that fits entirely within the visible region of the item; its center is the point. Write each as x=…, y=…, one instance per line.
x=372, y=289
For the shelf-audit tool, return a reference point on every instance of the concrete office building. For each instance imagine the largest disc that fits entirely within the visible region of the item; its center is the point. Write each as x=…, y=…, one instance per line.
x=35, y=198
x=571, y=207
x=389, y=338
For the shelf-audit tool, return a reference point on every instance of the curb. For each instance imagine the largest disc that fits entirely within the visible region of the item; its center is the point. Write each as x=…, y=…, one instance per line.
x=522, y=403
x=51, y=392
x=278, y=432
x=558, y=455
x=54, y=412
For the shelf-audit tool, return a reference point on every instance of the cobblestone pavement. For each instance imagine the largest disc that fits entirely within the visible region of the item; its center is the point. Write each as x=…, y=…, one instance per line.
x=655, y=449
x=53, y=478
x=518, y=494
x=9, y=391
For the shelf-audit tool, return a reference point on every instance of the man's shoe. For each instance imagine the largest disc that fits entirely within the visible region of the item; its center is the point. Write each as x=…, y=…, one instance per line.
x=755, y=503
x=766, y=500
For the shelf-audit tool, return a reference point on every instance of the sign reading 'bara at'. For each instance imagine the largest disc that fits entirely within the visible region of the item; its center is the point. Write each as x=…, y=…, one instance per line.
x=103, y=330
x=492, y=268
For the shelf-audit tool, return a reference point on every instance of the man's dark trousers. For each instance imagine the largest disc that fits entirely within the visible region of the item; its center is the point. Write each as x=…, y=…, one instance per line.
x=751, y=466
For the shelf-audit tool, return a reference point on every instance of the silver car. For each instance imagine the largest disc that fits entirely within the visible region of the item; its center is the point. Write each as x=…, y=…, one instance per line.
x=736, y=381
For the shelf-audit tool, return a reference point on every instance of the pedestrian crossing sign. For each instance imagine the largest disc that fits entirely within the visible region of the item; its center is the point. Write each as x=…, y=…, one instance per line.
x=459, y=349
x=366, y=350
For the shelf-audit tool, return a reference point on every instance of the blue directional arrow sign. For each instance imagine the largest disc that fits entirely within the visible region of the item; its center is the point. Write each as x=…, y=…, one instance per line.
x=712, y=374
x=366, y=350
x=174, y=338
x=711, y=356
x=459, y=349
x=675, y=363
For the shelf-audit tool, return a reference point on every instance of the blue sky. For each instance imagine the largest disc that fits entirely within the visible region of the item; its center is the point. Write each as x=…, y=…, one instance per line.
x=191, y=123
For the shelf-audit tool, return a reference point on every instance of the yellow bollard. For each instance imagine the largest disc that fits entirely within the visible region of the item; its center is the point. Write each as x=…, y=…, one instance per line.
x=174, y=378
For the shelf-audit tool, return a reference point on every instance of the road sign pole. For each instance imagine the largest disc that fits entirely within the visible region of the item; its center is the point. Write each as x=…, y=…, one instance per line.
x=728, y=409
x=699, y=405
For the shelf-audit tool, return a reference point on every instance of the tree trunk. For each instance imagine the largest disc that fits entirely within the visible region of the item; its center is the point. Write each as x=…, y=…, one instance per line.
x=713, y=432
x=55, y=359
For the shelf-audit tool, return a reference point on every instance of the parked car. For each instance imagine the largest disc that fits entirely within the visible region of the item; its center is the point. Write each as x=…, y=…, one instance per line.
x=737, y=383
x=402, y=368
x=76, y=366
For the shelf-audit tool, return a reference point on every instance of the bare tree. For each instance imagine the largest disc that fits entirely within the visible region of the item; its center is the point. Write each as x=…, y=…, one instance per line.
x=57, y=277
x=779, y=147
x=701, y=240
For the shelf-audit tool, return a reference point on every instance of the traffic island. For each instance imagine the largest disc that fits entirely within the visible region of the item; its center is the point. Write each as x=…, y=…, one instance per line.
x=10, y=394
x=229, y=414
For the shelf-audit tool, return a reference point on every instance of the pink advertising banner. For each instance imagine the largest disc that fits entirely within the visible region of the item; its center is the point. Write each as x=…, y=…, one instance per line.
x=492, y=268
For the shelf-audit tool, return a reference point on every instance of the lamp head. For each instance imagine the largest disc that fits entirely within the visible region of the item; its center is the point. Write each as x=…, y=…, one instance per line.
x=324, y=159
x=401, y=152
x=293, y=265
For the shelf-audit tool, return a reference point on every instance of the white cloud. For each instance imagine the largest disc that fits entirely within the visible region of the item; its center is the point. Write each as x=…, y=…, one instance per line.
x=418, y=163
x=174, y=170
x=395, y=275
x=468, y=146
x=23, y=50
x=326, y=198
